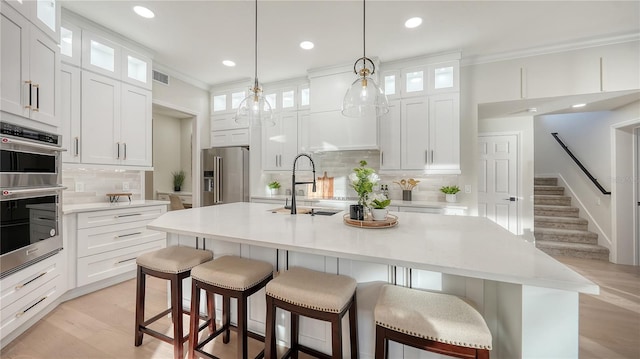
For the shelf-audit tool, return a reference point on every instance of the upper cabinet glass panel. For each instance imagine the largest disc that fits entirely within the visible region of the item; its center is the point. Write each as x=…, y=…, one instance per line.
x=66, y=41
x=390, y=85
x=443, y=77
x=137, y=69
x=219, y=103
x=46, y=13
x=271, y=99
x=414, y=81
x=102, y=56
x=288, y=99
x=236, y=98
x=304, y=97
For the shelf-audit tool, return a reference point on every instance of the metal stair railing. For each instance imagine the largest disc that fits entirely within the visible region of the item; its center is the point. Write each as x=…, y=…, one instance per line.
x=577, y=161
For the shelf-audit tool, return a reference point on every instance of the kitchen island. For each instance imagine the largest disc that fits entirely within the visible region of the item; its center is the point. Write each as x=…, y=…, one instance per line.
x=529, y=300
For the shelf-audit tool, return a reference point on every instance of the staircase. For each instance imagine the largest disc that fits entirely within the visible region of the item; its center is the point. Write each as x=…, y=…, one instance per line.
x=558, y=229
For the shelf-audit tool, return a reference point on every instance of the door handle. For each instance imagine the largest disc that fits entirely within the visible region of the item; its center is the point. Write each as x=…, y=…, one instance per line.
x=511, y=199
x=30, y=94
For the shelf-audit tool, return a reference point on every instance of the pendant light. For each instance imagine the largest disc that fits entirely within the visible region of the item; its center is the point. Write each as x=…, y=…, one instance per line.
x=255, y=110
x=364, y=96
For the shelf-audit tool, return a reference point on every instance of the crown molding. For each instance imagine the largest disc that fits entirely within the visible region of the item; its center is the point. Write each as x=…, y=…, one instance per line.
x=550, y=49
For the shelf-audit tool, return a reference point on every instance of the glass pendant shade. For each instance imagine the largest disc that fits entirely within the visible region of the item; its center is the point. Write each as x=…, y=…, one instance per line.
x=255, y=110
x=364, y=98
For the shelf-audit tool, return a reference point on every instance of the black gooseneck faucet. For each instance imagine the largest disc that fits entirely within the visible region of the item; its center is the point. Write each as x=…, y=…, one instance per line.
x=294, y=183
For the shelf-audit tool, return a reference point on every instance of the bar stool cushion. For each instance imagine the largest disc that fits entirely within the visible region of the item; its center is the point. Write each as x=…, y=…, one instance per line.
x=311, y=289
x=174, y=259
x=231, y=272
x=439, y=317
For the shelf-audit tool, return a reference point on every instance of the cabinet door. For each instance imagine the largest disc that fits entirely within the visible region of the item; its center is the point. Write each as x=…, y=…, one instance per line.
x=135, y=128
x=70, y=43
x=415, y=133
x=70, y=113
x=44, y=68
x=444, y=134
x=272, y=145
x=100, y=119
x=390, y=138
x=225, y=121
x=14, y=65
x=100, y=55
x=136, y=69
x=289, y=139
x=47, y=17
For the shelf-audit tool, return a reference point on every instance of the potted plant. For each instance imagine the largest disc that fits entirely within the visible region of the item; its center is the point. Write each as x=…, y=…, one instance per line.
x=273, y=187
x=362, y=181
x=178, y=180
x=450, y=193
x=378, y=206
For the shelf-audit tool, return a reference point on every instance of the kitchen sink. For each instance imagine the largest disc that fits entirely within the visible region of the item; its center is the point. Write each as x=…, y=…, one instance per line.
x=308, y=210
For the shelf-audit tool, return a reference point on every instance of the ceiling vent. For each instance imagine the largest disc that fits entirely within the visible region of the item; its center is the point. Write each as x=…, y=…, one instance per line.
x=160, y=77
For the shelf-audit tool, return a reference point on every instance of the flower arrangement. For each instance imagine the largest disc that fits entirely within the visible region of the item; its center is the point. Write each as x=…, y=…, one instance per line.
x=379, y=201
x=362, y=181
x=449, y=189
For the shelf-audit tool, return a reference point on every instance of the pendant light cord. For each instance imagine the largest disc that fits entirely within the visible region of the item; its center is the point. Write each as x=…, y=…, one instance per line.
x=255, y=50
x=364, y=34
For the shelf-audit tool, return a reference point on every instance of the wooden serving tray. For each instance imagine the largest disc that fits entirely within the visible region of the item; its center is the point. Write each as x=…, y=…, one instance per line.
x=390, y=221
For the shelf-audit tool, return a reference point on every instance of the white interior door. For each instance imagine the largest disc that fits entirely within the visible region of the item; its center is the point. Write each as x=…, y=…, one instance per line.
x=498, y=180
x=637, y=216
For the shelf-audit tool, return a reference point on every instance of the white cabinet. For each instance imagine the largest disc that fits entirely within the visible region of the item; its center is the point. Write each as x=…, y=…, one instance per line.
x=444, y=134
x=27, y=292
x=280, y=142
x=239, y=137
x=30, y=66
x=116, y=122
x=70, y=113
x=414, y=137
x=225, y=121
x=70, y=43
x=136, y=69
x=108, y=241
x=390, y=137
x=45, y=14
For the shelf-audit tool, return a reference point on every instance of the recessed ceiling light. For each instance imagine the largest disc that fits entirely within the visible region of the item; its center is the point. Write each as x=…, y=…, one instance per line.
x=228, y=63
x=307, y=45
x=578, y=105
x=532, y=109
x=413, y=22
x=144, y=12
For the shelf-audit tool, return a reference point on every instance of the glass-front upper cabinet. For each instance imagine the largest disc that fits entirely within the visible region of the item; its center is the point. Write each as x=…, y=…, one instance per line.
x=45, y=14
x=390, y=84
x=444, y=77
x=228, y=100
x=100, y=55
x=70, y=44
x=304, y=97
x=414, y=81
x=136, y=68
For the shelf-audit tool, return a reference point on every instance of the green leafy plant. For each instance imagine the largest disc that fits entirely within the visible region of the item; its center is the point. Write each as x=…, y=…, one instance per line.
x=362, y=181
x=274, y=185
x=178, y=178
x=449, y=189
x=379, y=201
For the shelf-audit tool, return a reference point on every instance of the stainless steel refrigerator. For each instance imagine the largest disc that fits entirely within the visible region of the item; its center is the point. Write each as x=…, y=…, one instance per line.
x=225, y=175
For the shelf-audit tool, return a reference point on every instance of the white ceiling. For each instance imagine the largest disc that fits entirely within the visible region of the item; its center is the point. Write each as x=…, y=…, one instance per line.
x=193, y=37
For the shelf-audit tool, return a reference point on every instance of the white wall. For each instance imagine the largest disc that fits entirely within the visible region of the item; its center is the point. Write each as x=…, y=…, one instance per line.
x=523, y=126
x=166, y=151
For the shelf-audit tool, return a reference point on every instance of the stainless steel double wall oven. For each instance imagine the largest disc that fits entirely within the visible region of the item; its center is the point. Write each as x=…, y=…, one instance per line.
x=30, y=196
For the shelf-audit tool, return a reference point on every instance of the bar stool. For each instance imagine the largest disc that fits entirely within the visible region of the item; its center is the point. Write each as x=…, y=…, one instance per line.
x=315, y=295
x=435, y=322
x=231, y=277
x=173, y=264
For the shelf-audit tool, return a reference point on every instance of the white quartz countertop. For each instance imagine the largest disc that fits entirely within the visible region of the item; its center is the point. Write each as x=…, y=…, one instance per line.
x=459, y=245
x=394, y=202
x=99, y=206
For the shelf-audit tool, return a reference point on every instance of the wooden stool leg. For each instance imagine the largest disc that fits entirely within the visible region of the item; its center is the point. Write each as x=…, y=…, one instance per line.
x=211, y=311
x=226, y=317
x=381, y=343
x=482, y=354
x=336, y=337
x=176, y=315
x=270, y=330
x=295, y=328
x=194, y=318
x=353, y=328
x=140, y=294
x=242, y=327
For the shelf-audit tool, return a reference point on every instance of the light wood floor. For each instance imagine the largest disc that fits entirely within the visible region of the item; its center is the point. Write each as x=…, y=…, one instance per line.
x=100, y=325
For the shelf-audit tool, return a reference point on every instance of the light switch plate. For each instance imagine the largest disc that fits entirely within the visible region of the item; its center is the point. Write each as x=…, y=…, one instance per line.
x=125, y=186
x=79, y=187
x=467, y=188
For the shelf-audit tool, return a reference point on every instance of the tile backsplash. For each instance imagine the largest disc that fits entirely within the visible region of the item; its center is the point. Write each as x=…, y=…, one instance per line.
x=341, y=163
x=90, y=185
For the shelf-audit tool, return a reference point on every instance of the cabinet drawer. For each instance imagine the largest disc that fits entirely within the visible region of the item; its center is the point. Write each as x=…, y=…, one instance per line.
x=106, y=265
x=18, y=285
x=30, y=304
x=107, y=238
x=118, y=216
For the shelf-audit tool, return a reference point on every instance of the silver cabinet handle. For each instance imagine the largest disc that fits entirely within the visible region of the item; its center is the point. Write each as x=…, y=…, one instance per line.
x=276, y=160
x=431, y=156
x=77, y=146
x=128, y=235
x=125, y=151
x=126, y=260
x=426, y=156
x=381, y=158
x=127, y=215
